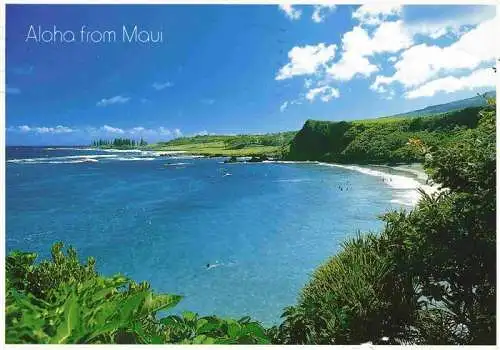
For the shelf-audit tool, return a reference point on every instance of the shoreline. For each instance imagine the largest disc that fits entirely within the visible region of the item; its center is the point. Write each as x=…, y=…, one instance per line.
x=405, y=180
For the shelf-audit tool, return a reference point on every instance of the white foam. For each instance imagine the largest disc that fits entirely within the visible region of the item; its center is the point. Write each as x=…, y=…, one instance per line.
x=77, y=159
x=171, y=152
x=187, y=156
x=54, y=159
x=406, y=188
x=291, y=180
x=133, y=158
x=70, y=148
x=177, y=164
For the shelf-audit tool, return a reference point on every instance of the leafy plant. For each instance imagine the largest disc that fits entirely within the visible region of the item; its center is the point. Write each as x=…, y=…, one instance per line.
x=430, y=276
x=64, y=302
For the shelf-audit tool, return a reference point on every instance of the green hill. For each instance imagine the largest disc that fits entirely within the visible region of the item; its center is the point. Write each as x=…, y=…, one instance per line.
x=378, y=141
x=382, y=140
x=476, y=101
x=228, y=145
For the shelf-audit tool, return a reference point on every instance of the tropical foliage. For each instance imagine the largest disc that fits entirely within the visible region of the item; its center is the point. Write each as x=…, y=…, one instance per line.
x=61, y=301
x=430, y=276
x=382, y=140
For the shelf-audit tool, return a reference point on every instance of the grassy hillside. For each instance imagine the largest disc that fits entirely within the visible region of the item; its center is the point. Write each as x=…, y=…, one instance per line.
x=476, y=101
x=229, y=145
x=382, y=140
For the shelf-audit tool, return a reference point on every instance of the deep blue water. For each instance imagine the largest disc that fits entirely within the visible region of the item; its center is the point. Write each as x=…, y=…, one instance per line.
x=266, y=227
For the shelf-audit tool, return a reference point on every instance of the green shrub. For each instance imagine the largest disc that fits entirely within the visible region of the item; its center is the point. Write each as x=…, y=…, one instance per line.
x=64, y=302
x=430, y=276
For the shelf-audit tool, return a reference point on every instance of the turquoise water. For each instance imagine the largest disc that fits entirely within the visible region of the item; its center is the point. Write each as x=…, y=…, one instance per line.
x=264, y=226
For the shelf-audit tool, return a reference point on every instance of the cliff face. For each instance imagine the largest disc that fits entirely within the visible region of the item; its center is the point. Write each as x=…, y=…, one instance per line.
x=317, y=139
x=378, y=141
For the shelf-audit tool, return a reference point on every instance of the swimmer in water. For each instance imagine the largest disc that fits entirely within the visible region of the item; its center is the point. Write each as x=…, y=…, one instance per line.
x=211, y=266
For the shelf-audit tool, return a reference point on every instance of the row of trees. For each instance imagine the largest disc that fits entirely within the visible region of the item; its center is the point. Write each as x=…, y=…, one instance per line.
x=119, y=142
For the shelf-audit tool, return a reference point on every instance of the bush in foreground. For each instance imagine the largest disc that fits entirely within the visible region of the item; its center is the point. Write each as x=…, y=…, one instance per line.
x=430, y=276
x=64, y=302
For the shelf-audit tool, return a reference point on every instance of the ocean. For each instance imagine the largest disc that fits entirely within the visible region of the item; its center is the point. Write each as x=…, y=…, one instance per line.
x=261, y=227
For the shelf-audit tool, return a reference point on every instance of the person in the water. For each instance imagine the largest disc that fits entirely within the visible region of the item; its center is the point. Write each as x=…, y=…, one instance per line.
x=211, y=266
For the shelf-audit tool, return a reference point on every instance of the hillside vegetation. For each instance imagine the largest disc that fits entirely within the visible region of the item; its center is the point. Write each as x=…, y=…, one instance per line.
x=382, y=140
x=229, y=145
x=476, y=101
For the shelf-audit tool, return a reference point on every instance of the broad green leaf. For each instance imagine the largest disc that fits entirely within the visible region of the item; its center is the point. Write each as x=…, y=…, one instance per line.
x=154, y=303
x=70, y=322
x=233, y=328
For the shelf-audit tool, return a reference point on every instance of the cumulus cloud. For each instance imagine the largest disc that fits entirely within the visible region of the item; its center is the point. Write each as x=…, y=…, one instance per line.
x=112, y=130
x=424, y=62
x=306, y=60
x=113, y=100
x=290, y=12
x=358, y=45
x=402, y=50
x=452, y=23
x=374, y=14
x=321, y=11
x=59, y=129
x=161, y=86
x=91, y=133
x=203, y=133
x=325, y=93
x=477, y=79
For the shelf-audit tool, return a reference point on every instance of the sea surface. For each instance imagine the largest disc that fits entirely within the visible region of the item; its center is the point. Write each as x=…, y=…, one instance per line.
x=261, y=227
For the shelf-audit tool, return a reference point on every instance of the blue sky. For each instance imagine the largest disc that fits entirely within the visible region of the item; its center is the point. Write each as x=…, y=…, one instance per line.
x=235, y=69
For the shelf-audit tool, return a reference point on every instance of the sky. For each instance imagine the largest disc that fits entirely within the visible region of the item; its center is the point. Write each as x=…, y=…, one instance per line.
x=76, y=73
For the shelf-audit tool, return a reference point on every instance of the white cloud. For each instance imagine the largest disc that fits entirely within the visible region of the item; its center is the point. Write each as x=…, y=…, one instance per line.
x=291, y=12
x=112, y=130
x=451, y=23
x=283, y=106
x=358, y=46
x=113, y=100
x=161, y=86
x=422, y=62
x=477, y=79
x=177, y=133
x=106, y=131
x=321, y=11
x=325, y=93
x=203, y=133
x=306, y=60
x=59, y=129
x=376, y=13
x=351, y=65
